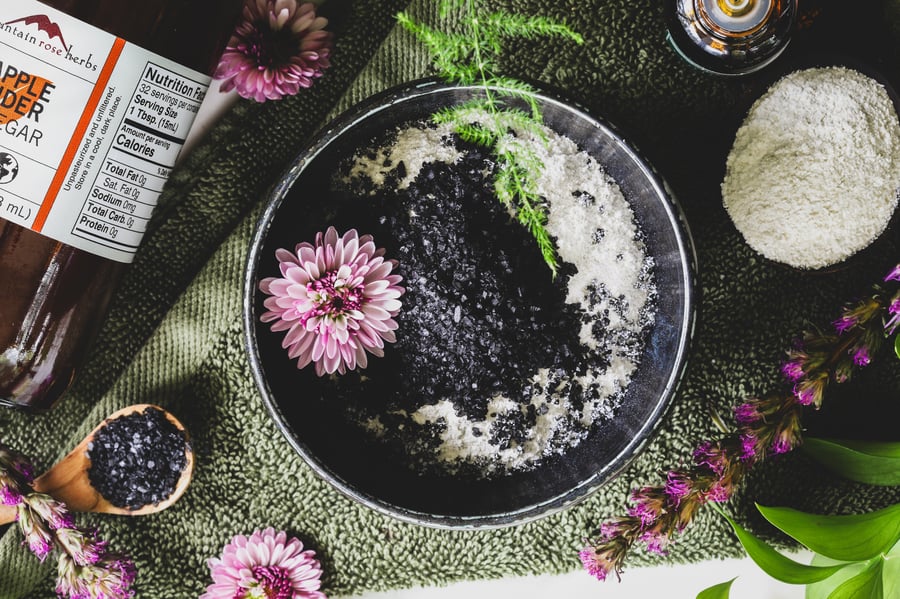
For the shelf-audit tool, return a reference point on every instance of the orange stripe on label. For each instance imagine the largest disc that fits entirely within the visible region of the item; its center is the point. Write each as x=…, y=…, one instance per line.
x=78, y=136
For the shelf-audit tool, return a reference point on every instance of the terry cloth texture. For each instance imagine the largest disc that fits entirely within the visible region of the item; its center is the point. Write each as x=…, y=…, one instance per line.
x=174, y=335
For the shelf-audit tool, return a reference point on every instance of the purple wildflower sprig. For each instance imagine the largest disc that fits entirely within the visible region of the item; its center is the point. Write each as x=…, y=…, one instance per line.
x=86, y=568
x=764, y=427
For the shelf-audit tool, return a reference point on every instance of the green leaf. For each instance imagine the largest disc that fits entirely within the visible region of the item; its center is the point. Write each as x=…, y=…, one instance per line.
x=824, y=588
x=849, y=538
x=865, y=585
x=719, y=591
x=773, y=563
x=897, y=345
x=869, y=462
x=891, y=577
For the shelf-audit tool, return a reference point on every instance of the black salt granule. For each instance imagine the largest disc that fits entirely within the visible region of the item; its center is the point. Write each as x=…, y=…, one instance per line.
x=137, y=459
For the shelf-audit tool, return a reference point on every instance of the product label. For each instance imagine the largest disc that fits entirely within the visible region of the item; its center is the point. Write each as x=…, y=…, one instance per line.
x=90, y=126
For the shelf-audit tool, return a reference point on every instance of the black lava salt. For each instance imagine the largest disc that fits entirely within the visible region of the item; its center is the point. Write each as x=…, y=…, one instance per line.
x=137, y=459
x=491, y=370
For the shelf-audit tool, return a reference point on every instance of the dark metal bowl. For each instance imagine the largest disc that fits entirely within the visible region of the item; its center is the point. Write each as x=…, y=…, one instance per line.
x=344, y=456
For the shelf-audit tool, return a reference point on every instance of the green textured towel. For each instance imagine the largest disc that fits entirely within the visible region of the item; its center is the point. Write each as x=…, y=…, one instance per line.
x=174, y=336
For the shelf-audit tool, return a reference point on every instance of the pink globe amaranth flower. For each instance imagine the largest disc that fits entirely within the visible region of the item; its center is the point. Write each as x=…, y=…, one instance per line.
x=336, y=299
x=279, y=47
x=893, y=275
x=267, y=565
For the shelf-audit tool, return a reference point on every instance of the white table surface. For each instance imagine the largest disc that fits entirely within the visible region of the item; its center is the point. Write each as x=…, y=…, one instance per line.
x=659, y=582
x=663, y=581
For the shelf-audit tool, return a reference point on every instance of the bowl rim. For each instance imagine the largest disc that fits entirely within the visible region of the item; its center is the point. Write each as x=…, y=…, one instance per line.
x=322, y=140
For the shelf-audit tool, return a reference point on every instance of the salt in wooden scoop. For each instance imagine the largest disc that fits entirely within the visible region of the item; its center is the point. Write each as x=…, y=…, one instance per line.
x=69, y=481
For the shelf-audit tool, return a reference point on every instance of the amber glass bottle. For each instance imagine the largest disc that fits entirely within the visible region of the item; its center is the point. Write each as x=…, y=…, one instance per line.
x=730, y=37
x=53, y=295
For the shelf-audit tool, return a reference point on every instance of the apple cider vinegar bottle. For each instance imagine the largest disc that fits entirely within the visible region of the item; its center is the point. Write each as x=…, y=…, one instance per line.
x=96, y=100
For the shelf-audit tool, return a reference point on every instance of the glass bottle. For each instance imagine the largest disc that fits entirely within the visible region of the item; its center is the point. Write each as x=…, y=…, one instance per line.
x=53, y=295
x=730, y=37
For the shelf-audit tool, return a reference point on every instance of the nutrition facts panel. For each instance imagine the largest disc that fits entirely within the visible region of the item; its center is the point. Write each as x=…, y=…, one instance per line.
x=142, y=151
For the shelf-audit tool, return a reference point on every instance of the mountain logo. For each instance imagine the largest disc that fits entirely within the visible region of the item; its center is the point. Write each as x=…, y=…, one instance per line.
x=44, y=24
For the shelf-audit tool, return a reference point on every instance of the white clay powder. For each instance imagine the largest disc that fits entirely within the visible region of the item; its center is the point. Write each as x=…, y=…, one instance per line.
x=813, y=175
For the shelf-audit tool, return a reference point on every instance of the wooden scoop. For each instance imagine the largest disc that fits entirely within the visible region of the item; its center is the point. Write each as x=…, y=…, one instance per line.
x=68, y=480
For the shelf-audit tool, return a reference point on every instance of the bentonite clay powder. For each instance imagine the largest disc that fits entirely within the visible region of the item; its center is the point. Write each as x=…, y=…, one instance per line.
x=137, y=459
x=813, y=175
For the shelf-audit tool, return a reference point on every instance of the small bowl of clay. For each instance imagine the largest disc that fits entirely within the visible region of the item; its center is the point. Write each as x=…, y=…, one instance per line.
x=813, y=175
x=493, y=393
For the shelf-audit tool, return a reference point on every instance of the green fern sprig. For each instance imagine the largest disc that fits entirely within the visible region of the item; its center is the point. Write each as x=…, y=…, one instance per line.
x=469, y=58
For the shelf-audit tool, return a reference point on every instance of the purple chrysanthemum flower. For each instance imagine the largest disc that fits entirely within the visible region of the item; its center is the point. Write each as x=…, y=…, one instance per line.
x=678, y=486
x=644, y=513
x=657, y=543
x=51, y=511
x=861, y=356
x=845, y=323
x=718, y=493
x=810, y=391
x=111, y=577
x=746, y=414
x=9, y=495
x=336, y=299
x=781, y=445
x=596, y=564
x=793, y=370
x=748, y=447
x=646, y=509
x=83, y=545
x=611, y=529
x=894, y=321
x=37, y=534
x=267, y=564
x=894, y=275
x=805, y=395
x=279, y=47
x=709, y=454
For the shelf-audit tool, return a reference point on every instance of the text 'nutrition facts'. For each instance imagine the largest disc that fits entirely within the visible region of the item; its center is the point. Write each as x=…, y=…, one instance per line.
x=139, y=157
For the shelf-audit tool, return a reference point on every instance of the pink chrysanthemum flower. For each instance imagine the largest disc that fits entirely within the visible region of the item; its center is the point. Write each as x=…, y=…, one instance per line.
x=337, y=300
x=279, y=47
x=267, y=565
